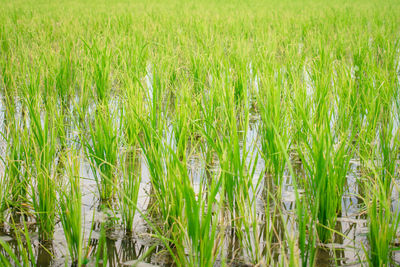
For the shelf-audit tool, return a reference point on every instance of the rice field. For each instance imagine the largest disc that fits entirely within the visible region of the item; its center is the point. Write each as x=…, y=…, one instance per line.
x=199, y=133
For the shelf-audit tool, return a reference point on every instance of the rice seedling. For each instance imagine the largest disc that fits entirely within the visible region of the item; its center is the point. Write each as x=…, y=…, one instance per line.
x=129, y=190
x=227, y=145
x=307, y=232
x=271, y=105
x=102, y=151
x=326, y=164
x=42, y=148
x=101, y=72
x=8, y=92
x=201, y=240
x=16, y=169
x=152, y=147
x=130, y=162
x=70, y=208
x=66, y=77
x=383, y=223
x=389, y=150
x=257, y=237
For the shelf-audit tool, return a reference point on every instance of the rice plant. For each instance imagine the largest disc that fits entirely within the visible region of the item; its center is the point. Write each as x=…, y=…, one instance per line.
x=199, y=223
x=70, y=208
x=42, y=148
x=102, y=151
x=326, y=164
x=383, y=223
x=273, y=111
x=16, y=170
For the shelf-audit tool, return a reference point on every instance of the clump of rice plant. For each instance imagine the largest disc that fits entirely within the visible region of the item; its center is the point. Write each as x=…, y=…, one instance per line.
x=130, y=161
x=101, y=72
x=102, y=151
x=198, y=222
x=306, y=222
x=129, y=188
x=42, y=150
x=273, y=111
x=70, y=208
x=326, y=162
x=16, y=169
x=383, y=222
x=8, y=91
x=165, y=202
x=66, y=76
x=389, y=146
x=229, y=144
